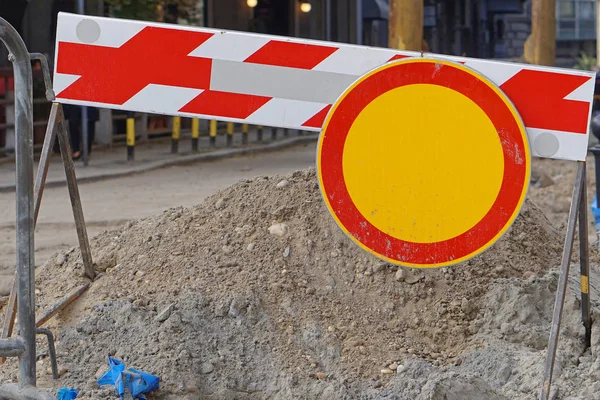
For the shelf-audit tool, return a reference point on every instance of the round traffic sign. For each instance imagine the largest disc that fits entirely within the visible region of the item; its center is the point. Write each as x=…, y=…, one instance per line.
x=424, y=163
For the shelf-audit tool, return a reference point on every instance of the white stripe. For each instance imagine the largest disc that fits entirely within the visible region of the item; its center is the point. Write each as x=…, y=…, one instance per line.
x=161, y=99
x=113, y=33
x=572, y=146
x=63, y=81
x=584, y=92
x=230, y=46
x=286, y=113
x=354, y=60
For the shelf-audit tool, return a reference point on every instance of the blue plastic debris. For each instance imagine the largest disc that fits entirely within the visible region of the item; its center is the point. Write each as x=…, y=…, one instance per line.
x=67, y=394
x=130, y=381
x=596, y=213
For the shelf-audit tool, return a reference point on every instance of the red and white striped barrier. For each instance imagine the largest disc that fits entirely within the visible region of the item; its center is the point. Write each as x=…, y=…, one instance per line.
x=280, y=81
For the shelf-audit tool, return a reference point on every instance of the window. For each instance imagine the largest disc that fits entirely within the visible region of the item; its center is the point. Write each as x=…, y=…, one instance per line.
x=576, y=19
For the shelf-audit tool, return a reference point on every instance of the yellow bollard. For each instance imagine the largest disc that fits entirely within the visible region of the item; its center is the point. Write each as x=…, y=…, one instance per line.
x=244, y=134
x=175, y=133
x=229, y=134
x=130, y=135
x=259, y=133
x=195, y=133
x=213, y=132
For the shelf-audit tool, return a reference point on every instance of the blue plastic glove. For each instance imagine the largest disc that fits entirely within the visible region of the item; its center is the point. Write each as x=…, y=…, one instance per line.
x=134, y=381
x=67, y=394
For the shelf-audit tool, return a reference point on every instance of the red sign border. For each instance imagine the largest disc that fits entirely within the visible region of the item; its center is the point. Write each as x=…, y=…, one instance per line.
x=496, y=105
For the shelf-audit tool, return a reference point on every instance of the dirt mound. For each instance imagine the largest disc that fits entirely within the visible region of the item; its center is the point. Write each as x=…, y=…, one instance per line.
x=256, y=293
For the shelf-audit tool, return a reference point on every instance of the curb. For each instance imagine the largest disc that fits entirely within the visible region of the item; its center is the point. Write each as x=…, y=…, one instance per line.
x=187, y=159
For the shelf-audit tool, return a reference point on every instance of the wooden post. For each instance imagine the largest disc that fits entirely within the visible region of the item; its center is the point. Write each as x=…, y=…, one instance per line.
x=543, y=32
x=406, y=25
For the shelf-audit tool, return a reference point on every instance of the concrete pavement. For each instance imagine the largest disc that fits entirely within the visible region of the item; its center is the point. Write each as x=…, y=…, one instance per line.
x=105, y=163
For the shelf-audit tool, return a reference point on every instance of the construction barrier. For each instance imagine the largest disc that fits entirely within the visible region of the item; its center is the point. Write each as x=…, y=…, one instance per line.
x=496, y=116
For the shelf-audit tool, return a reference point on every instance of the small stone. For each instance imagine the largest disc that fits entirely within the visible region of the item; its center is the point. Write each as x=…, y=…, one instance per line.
x=401, y=368
x=101, y=371
x=393, y=366
x=251, y=246
x=465, y=305
x=400, y=275
x=140, y=273
x=311, y=290
x=278, y=229
x=227, y=249
x=528, y=275
x=165, y=314
x=386, y=371
x=413, y=278
x=321, y=376
x=61, y=259
x=282, y=184
x=62, y=371
x=220, y=204
x=286, y=252
x=207, y=368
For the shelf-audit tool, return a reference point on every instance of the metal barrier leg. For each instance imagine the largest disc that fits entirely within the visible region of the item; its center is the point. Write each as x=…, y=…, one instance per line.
x=195, y=134
x=584, y=263
x=40, y=180
x=51, y=350
x=65, y=150
x=563, y=280
x=21, y=60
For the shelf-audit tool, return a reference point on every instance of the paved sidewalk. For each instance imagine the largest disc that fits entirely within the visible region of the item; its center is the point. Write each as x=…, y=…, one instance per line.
x=112, y=162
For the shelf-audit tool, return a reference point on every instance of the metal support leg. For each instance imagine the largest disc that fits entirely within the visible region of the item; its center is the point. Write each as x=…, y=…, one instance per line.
x=40, y=180
x=584, y=261
x=51, y=350
x=65, y=150
x=563, y=280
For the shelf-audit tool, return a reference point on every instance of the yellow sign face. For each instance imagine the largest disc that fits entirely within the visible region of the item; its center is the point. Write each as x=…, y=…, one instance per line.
x=424, y=163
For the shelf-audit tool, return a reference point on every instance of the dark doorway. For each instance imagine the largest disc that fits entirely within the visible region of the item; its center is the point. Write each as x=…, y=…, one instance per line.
x=272, y=17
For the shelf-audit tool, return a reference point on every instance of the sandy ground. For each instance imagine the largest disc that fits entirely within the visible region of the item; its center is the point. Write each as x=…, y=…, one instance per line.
x=109, y=203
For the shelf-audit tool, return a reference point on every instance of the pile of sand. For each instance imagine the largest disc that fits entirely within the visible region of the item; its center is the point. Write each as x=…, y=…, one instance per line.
x=256, y=293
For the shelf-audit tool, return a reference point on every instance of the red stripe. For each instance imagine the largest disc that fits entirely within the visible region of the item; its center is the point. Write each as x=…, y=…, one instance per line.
x=114, y=75
x=224, y=104
x=317, y=120
x=539, y=96
x=397, y=57
x=293, y=55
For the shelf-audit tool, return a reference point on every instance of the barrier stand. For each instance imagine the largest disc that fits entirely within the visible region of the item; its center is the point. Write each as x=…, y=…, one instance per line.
x=229, y=134
x=259, y=133
x=175, y=134
x=596, y=152
x=578, y=211
x=273, y=133
x=24, y=345
x=244, y=134
x=213, y=132
x=195, y=133
x=130, y=136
